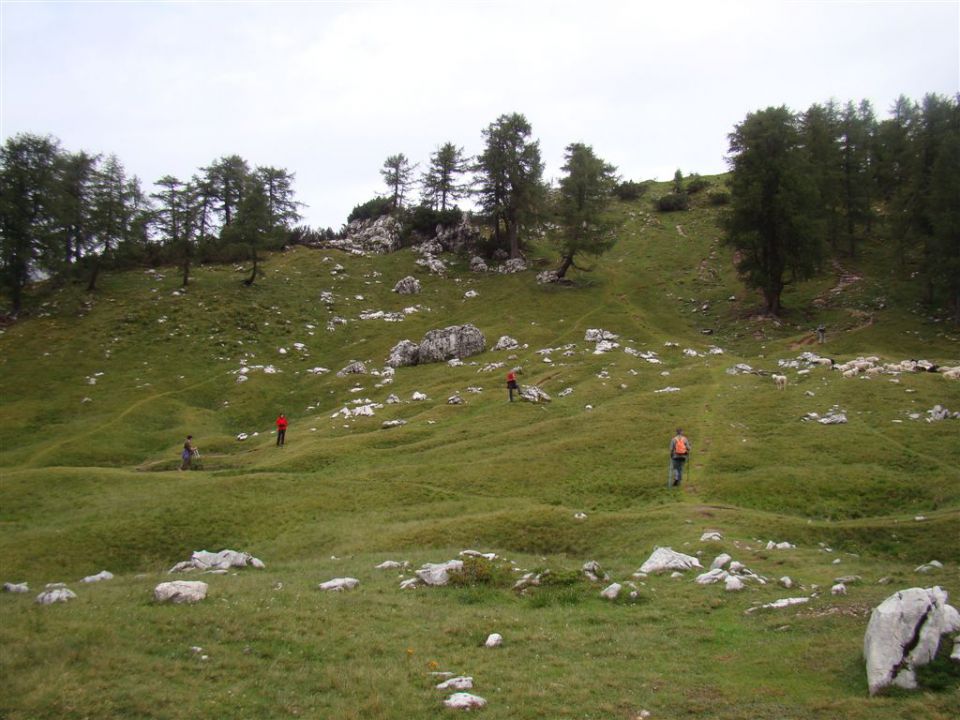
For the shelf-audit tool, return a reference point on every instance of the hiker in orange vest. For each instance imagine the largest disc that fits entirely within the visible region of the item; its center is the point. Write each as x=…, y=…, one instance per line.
x=679, y=453
x=512, y=384
x=281, y=430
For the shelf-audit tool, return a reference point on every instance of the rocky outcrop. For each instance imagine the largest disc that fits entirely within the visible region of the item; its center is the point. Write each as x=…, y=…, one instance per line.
x=379, y=236
x=904, y=633
x=455, y=341
x=462, y=237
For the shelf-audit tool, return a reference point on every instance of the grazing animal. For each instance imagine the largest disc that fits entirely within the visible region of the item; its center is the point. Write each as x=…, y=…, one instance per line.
x=781, y=381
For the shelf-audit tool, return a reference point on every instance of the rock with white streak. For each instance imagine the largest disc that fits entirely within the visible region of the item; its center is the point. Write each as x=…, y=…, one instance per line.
x=493, y=640
x=462, y=682
x=904, y=633
x=464, y=701
x=438, y=573
x=663, y=559
x=100, y=576
x=180, y=592
x=340, y=584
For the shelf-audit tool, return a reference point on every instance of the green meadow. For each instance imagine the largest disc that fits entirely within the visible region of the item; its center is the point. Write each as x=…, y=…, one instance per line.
x=99, y=391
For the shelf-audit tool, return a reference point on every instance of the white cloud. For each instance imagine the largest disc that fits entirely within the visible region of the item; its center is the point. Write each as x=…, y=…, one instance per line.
x=328, y=90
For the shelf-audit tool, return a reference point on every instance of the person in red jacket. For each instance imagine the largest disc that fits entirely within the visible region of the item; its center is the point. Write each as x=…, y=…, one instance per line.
x=512, y=384
x=281, y=430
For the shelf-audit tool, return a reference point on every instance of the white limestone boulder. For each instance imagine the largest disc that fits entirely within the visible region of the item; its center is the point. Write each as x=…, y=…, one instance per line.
x=493, y=640
x=612, y=591
x=55, y=593
x=407, y=286
x=340, y=584
x=180, y=592
x=99, y=577
x=404, y=354
x=664, y=559
x=464, y=701
x=461, y=682
x=455, y=341
x=16, y=587
x=904, y=633
x=438, y=573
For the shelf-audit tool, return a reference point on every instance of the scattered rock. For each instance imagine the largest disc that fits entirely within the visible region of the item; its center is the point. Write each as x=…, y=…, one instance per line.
x=393, y=423
x=711, y=536
x=407, y=286
x=223, y=560
x=438, y=573
x=180, y=591
x=464, y=701
x=493, y=640
x=506, y=343
x=548, y=276
x=533, y=394
x=392, y=565
x=611, y=592
x=594, y=572
x=478, y=264
x=340, y=584
x=55, y=593
x=463, y=682
x=102, y=575
x=664, y=558
x=779, y=604
x=16, y=587
x=354, y=368
x=929, y=567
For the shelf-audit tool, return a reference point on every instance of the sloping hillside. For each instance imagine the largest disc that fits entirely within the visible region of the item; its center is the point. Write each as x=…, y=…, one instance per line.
x=99, y=392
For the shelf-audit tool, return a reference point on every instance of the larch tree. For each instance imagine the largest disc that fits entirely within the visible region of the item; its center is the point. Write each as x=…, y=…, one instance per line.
x=397, y=173
x=441, y=183
x=510, y=183
x=585, y=193
x=774, y=219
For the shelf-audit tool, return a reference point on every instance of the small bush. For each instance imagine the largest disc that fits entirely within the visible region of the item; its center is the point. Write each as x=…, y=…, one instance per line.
x=480, y=571
x=697, y=184
x=424, y=220
x=718, y=197
x=371, y=209
x=673, y=201
x=630, y=190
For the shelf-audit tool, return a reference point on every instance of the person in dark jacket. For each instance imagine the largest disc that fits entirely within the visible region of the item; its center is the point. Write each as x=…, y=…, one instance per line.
x=512, y=384
x=189, y=450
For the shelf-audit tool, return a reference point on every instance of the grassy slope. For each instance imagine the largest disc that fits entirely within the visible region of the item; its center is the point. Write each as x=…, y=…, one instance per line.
x=89, y=485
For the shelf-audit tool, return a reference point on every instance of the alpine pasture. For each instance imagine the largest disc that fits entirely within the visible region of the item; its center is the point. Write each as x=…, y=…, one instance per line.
x=100, y=390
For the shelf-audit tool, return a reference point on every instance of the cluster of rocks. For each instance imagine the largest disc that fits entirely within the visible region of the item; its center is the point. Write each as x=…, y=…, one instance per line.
x=218, y=562
x=834, y=416
x=455, y=341
x=378, y=236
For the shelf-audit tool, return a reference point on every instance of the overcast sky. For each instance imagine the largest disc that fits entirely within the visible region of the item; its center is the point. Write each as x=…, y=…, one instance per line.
x=327, y=90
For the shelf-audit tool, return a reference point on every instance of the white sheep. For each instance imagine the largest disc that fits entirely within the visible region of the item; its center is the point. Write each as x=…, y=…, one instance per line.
x=781, y=381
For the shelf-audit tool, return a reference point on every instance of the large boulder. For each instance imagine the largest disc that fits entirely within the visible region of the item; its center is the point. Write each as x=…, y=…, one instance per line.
x=456, y=341
x=533, y=394
x=904, y=633
x=404, y=354
x=461, y=237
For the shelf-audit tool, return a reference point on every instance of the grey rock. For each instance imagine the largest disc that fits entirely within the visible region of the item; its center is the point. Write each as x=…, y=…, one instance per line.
x=407, y=286
x=16, y=587
x=404, y=354
x=455, y=341
x=354, y=368
x=180, y=592
x=904, y=633
x=438, y=573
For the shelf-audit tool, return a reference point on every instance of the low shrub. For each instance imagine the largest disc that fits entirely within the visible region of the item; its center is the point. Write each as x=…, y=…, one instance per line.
x=718, y=197
x=697, y=184
x=673, y=201
x=481, y=571
x=371, y=209
x=630, y=190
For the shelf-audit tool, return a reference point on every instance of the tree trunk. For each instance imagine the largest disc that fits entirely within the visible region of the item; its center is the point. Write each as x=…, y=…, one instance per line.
x=513, y=232
x=92, y=285
x=253, y=275
x=565, y=265
x=771, y=298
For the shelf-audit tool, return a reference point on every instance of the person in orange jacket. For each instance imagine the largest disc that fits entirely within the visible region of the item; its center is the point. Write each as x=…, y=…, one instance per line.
x=281, y=430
